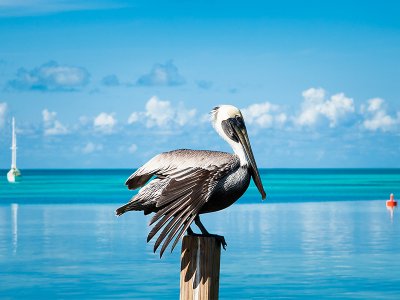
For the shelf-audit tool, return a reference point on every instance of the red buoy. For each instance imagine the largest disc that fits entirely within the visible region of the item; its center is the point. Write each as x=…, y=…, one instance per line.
x=391, y=202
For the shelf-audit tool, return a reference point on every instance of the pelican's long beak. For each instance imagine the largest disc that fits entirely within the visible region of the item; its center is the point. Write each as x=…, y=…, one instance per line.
x=243, y=138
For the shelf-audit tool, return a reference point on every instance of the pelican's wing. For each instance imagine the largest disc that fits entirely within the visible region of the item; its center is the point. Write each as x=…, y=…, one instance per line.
x=191, y=178
x=144, y=173
x=164, y=164
x=181, y=200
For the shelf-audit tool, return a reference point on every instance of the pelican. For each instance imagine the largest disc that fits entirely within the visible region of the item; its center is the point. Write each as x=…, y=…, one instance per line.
x=188, y=183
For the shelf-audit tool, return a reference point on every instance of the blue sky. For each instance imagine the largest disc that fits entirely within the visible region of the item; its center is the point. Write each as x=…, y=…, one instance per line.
x=111, y=83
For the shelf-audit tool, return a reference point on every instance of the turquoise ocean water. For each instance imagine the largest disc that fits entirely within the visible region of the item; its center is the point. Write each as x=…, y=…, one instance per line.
x=321, y=234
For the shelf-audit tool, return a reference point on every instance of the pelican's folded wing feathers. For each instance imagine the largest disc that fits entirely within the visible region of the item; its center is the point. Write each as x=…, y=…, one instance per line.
x=191, y=177
x=164, y=164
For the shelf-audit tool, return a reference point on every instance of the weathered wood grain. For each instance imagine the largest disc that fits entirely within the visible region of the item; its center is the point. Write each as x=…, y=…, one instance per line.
x=200, y=264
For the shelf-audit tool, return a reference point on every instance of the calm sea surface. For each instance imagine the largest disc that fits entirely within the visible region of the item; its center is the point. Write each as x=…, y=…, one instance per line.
x=321, y=234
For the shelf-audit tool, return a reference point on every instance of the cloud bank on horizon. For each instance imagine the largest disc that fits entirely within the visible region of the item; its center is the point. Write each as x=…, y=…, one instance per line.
x=317, y=114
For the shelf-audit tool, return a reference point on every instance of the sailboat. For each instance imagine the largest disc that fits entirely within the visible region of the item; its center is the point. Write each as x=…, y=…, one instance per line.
x=14, y=172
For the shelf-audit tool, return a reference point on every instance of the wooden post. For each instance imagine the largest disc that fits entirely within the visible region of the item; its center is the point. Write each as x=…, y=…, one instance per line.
x=200, y=260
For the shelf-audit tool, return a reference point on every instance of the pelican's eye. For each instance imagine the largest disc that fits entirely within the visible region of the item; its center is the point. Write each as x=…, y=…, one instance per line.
x=239, y=121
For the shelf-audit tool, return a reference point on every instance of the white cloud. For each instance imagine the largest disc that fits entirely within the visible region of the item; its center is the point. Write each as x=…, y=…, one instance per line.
x=315, y=107
x=376, y=117
x=265, y=115
x=48, y=116
x=51, y=125
x=134, y=117
x=3, y=110
x=132, y=148
x=91, y=147
x=162, y=74
x=281, y=118
x=162, y=114
x=375, y=104
x=51, y=76
x=104, y=122
x=183, y=115
x=158, y=112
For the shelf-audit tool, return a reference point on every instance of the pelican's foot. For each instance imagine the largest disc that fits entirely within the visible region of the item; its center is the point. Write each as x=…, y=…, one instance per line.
x=219, y=238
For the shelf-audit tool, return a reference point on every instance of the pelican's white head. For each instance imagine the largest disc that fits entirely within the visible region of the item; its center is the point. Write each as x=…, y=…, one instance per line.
x=229, y=123
x=220, y=114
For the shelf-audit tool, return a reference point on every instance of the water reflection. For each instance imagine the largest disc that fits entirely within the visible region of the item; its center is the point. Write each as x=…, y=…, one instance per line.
x=274, y=250
x=391, y=212
x=14, y=220
x=391, y=204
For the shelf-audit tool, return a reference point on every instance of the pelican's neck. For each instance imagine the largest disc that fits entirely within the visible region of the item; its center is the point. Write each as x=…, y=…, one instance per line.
x=236, y=147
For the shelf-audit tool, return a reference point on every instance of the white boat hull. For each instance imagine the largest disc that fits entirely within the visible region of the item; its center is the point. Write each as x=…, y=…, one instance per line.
x=12, y=175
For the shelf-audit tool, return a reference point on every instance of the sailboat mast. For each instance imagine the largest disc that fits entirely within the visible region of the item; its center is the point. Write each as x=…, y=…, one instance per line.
x=13, y=146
